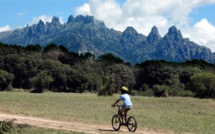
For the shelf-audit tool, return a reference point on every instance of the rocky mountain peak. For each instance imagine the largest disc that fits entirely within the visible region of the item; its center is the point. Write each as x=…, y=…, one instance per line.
x=84, y=19
x=173, y=30
x=153, y=36
x=89, y=19
x=55, y=20
x=174, y=33
x=80, y=18
x=41, y=27
x=41, y=23
x=71, y=19
x=129, y=35
x=86, y=34
x=130, y=30
x=154, y=30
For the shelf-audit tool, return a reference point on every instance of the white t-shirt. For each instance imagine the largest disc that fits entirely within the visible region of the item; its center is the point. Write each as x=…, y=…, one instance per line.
x=126, y=99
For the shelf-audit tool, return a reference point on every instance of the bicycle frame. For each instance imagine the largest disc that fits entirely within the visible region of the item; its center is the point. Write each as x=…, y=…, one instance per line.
x=130, y=123
x=124, y=116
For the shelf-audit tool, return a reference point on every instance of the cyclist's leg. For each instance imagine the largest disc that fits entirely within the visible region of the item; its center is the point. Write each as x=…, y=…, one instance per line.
x=122, y=114
x=125, y=113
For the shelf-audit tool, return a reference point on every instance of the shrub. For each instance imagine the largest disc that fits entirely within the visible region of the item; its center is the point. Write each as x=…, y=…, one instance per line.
x=6, y=126
x=5, y=79
x=9, y=88
x=186, y=93
x=203, y=84
x=134, y=93
x=41, y=81
x=102, y=92
x=161, y=90
x=148, y=92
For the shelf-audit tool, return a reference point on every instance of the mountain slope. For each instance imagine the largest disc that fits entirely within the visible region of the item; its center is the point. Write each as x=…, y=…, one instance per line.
x=85, y=34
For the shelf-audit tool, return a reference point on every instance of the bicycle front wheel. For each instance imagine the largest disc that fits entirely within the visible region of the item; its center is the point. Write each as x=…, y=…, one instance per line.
x=131, y=124
x=116, y=122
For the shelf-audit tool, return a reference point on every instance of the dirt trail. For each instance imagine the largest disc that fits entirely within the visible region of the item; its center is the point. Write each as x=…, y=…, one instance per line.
x=73, y=126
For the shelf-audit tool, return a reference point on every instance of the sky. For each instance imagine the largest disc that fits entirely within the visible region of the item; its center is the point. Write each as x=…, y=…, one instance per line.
x=194, y=18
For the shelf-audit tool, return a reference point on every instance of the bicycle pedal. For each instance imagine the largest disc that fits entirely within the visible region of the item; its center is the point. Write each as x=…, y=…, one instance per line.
x=123, y=124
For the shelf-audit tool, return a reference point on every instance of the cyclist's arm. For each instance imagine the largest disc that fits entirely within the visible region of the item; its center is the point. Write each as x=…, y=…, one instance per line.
x=117, y=101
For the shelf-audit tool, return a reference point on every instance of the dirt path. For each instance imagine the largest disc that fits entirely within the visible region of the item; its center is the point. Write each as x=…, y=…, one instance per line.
x=73, y=126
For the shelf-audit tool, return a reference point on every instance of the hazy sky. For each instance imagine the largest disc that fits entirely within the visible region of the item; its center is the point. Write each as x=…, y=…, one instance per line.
x=194, y=18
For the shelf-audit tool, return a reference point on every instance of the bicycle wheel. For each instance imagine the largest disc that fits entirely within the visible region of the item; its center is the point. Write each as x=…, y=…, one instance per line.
x=116, y=122
x=131, y=124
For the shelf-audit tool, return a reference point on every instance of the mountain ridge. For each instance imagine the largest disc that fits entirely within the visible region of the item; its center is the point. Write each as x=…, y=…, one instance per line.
x=86, y=34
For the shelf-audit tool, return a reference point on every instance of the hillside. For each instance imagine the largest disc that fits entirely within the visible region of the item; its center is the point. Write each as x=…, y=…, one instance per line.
x=85, y=34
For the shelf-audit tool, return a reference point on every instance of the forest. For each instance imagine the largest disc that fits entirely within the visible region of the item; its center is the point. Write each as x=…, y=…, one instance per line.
x=53, y=68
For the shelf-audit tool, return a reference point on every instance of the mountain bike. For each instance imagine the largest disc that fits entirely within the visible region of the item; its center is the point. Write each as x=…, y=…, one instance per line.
x=130, y=123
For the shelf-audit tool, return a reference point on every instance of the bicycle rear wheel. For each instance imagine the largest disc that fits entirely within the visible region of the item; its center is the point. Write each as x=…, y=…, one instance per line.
x=116, y=122
x=131, y=124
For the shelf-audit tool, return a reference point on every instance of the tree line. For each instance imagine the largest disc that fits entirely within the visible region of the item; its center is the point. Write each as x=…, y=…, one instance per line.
x=54, y=68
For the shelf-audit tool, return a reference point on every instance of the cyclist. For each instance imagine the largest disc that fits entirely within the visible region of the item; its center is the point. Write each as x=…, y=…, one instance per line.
x=127, y=104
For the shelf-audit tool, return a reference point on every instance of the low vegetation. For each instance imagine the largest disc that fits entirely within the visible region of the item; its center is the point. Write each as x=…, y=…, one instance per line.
x=6, y=126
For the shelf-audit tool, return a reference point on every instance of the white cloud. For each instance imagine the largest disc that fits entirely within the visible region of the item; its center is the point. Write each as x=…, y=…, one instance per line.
x=5, y=28
x=143, y=14
x=203, y=33
x=106, y=10
x=45, y=19
x=84, y=10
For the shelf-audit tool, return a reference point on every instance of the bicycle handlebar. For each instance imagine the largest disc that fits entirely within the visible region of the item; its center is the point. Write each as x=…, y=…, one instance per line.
x=117, y=105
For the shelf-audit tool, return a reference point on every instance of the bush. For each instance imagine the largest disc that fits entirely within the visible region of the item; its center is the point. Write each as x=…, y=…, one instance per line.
x=5, y=80
x=103, y=92
x=186, y=93
x=41, y=81
x=148, y=92
x=203, y=84
x=9, y=88
x=161, y=90
x=7, y=126
x=134, y=93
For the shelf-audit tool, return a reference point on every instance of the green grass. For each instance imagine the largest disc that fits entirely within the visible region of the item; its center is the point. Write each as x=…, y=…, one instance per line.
x=174, y=113
x=26, y=129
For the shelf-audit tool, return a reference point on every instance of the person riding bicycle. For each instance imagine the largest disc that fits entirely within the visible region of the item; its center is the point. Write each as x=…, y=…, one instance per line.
x=127, y=104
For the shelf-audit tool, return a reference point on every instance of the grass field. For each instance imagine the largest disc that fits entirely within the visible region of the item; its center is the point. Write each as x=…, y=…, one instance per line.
x=25, y=129
x=176, y=114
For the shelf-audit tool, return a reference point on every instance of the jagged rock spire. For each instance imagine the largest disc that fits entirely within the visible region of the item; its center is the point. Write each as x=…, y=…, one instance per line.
x=153, y=36
x=174, y=33
x=41, y=27
x=71, y=19
x=129, y=35
x=55, y=20
x=84, y=19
